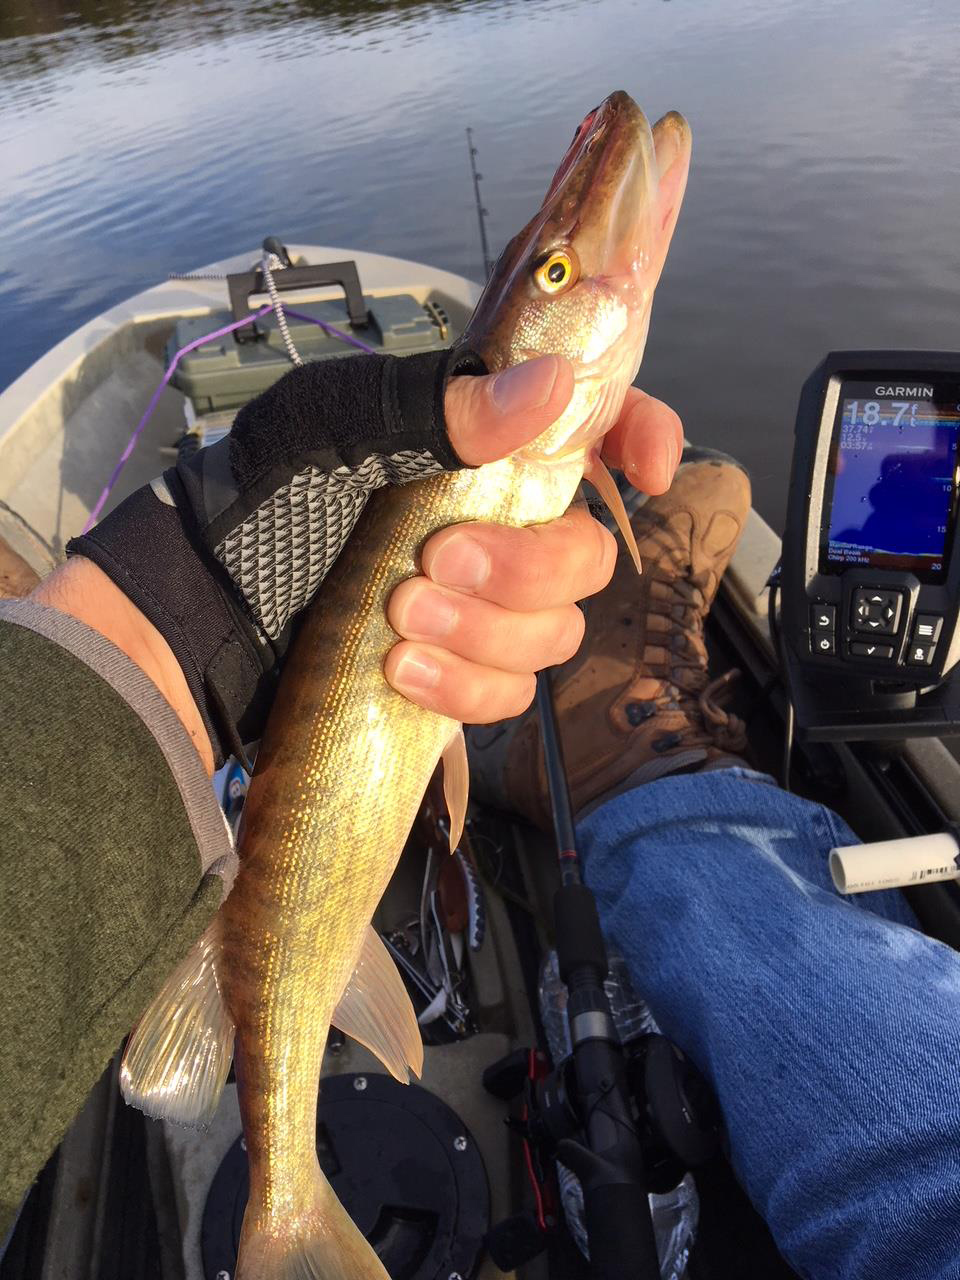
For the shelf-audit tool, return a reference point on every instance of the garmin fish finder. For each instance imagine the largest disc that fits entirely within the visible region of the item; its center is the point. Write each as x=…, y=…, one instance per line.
x=870, y=578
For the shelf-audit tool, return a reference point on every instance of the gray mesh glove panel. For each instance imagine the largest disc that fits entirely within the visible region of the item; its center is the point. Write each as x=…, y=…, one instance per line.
x=225, y=550
x=284, y=549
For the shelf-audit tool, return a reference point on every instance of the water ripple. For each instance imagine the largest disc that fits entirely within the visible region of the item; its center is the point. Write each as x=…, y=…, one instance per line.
x=139, y=137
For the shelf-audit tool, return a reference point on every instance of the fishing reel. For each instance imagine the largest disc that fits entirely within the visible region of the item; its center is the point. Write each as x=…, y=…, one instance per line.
x=674, y=1114
x=625, y=1120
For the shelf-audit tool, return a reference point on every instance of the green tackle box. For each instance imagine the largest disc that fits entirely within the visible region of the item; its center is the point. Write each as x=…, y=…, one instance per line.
x=225, y=374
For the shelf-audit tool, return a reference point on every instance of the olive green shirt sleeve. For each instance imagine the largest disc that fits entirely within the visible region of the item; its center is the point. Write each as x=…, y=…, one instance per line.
x=113, y=856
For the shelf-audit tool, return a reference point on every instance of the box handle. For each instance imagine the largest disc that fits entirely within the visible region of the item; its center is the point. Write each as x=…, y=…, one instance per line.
x=345, y=274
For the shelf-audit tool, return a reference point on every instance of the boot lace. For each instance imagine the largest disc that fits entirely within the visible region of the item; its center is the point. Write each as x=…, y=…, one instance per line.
x=689, y=687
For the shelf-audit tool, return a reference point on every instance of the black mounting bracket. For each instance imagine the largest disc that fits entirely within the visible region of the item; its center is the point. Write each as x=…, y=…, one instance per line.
x=829, y=709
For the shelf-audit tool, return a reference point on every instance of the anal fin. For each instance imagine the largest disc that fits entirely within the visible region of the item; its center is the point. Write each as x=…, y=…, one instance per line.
x=605, y=485
x=178, y=1057
x=456, y=784
x=376, y=1010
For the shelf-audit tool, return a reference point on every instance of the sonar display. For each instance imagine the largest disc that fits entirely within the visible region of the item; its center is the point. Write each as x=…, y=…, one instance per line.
x=893, y=470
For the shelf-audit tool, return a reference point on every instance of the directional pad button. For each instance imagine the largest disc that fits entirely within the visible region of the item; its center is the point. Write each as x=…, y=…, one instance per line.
x=876, y=610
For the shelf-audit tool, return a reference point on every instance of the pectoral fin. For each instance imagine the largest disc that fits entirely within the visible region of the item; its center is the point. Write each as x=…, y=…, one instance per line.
x=376, y=1010
x=178, y=1057
x=604, y=483
x=456, y=784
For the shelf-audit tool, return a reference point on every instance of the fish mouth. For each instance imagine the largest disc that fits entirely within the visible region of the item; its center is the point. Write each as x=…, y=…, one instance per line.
x=617, y=112
x=603, y=190
x=613, y=200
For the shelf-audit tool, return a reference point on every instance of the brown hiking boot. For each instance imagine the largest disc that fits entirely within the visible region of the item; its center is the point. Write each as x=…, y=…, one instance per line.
x=636, y=702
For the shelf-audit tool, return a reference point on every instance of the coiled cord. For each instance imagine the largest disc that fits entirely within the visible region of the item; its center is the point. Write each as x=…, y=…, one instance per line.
x=270, y=263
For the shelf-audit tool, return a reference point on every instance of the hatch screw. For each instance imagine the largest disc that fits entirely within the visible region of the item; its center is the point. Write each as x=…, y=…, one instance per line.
x=360, y=1083
x=454, y=1275
x=459, y=1144
x=243, y=1147
x=223, y=1275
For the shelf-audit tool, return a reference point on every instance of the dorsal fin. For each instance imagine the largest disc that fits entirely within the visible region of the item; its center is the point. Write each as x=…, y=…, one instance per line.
x=177, y=1060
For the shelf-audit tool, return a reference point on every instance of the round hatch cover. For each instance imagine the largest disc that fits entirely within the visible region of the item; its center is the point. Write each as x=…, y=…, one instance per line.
x=404, y=1167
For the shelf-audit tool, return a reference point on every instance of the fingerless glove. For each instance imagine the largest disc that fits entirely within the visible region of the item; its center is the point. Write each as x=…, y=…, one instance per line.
x=223, y=551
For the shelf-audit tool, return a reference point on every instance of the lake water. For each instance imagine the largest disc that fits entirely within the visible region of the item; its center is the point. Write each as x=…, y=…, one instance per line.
x=139, y=138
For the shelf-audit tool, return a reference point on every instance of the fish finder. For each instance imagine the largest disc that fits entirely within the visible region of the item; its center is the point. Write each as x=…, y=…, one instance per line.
x=870, y=574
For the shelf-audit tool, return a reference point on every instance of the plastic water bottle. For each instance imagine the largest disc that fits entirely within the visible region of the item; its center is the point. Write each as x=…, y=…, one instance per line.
x=675, y=1213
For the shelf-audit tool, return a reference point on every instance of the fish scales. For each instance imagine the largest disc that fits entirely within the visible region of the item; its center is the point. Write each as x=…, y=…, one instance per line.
x=340, y=776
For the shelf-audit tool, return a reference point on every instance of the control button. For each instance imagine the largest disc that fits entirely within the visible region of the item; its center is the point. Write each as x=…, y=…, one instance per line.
x=876, y=610
x=823, y=617
x=926, y=628
x=823, y=642
x=877, y=651
x=920, y=654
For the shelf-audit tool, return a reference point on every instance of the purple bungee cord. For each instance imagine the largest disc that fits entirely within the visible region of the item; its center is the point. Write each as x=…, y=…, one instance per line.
x=191, y=346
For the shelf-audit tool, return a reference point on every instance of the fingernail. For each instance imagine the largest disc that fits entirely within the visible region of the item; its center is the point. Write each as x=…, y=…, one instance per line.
x=525, y=386
x=428, y=614
x=415, y=671
x=461, y=562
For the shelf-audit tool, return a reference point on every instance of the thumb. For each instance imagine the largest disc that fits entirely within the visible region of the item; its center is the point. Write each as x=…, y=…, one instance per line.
x=491, y=416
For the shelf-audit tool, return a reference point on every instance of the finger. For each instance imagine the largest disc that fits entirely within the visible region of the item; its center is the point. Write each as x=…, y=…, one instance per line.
x=489, y=417
x=646, y=442
x=483, y=632
x=465, y=691
x=539, y=567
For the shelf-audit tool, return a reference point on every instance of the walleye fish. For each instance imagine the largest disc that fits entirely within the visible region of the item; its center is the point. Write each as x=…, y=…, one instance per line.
x=345, y=760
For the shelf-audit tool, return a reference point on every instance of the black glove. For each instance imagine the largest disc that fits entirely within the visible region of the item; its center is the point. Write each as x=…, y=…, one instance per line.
x=226, y=548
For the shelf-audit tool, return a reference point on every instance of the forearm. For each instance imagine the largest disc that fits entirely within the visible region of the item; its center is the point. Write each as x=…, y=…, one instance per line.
x=84, y=591
x=110, y=830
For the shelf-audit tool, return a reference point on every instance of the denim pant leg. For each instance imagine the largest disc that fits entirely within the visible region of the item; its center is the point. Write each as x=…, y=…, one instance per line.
x=830, y=1033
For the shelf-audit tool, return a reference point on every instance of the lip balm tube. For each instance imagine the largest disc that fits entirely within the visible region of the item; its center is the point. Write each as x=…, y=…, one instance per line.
x=894, y=864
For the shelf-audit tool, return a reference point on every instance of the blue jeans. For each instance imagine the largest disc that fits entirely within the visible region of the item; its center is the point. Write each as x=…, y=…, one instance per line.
x=830, y=1032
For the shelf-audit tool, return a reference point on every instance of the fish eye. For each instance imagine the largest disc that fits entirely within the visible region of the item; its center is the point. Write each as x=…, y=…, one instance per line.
x=555, y=271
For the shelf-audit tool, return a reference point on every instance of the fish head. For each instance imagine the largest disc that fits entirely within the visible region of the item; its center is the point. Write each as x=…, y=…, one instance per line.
x=578, y=280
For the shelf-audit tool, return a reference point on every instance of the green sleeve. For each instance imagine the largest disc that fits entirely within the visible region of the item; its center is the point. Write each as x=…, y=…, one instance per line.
x=110, y=838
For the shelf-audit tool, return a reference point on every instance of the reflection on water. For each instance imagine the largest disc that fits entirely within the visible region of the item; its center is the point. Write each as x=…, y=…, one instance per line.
x=139, y=137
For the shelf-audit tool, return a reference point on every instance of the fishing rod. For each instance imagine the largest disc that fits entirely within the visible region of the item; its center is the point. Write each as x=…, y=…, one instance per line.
x=610, y=1162
x=481, y=211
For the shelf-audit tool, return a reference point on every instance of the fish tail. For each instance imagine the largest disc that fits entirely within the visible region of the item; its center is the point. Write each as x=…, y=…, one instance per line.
x=178, y=1057
x=320, y=1243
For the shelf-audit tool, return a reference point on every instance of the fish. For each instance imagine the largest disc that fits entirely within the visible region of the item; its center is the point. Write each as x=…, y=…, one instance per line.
x=345, y=760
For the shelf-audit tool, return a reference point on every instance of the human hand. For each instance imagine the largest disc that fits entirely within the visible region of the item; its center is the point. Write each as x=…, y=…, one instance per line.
x=495, y=604
x=301, y=461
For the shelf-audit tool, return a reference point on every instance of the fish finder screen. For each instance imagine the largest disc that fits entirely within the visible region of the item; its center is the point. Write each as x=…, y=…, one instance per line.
x=892, y=479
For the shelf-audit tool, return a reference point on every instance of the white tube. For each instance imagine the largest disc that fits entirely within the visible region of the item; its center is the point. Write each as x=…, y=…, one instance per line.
x=891, y=864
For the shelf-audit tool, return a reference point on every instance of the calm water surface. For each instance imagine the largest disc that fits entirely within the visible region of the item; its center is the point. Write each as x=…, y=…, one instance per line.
x=139, y=138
